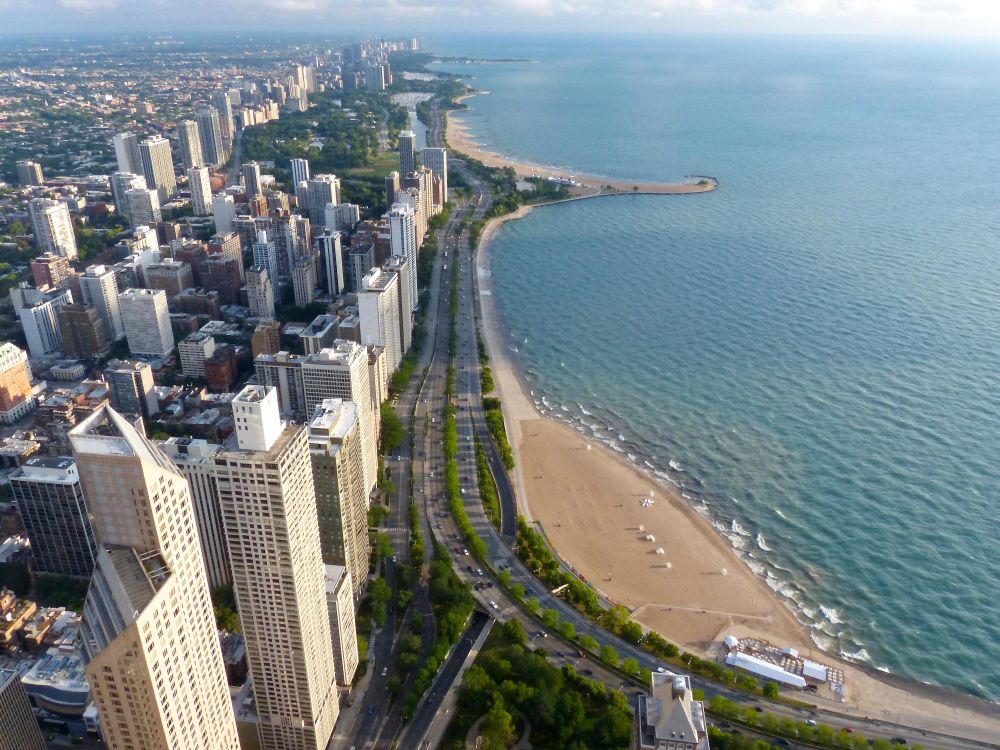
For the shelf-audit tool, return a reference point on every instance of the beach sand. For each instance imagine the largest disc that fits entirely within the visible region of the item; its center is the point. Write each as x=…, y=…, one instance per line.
x=586, y=498
x=458, y=139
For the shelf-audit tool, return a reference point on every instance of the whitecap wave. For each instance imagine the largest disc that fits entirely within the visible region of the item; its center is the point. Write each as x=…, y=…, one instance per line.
x=738, y=529
x=762, y=543
x=674, y=465
x=861, y=655
x=832, y=616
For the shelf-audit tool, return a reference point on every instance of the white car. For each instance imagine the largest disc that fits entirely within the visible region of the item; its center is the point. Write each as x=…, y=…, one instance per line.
x=494, y=605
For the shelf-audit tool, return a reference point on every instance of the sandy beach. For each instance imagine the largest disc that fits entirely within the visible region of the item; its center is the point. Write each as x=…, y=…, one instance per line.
x=587, y=500
x=458, y=139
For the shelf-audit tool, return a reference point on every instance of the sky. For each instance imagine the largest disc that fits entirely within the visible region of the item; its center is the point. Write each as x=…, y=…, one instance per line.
x=338, y=17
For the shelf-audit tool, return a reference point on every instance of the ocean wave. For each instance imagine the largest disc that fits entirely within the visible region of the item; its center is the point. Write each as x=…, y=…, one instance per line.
x=631, y=457
x=780, y=514
x=585, y=412
x=736, y=528
x=861, y=655
x=674, y=465
x=762, y=544
x=832, y=615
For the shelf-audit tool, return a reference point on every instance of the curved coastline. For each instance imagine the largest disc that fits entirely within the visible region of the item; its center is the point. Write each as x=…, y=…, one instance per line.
x=557, y=465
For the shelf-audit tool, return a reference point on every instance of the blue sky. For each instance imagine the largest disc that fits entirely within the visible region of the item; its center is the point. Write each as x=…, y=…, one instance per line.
x=337, y=17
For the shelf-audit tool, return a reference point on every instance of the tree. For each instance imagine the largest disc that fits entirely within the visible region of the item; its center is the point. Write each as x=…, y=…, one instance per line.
x=631, y=632
x=392, y=428
x=515, y=631
x=533, y=606
x=567, y=631
x=609, y=656
x=550, y=619
x=587, y=643
x=517, y=590
x=498, y=725
x=630, y=666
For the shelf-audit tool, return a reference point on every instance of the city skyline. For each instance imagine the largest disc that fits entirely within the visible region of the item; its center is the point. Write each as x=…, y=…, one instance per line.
x=892, y=17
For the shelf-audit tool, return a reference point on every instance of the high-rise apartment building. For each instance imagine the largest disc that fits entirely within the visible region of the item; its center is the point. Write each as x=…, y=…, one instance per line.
x=189, y=144
x=266, y=255
x=378, y=308
x=223, y=105
x=436, y=159
x=148, y=632
x=53, y=227
x=341, y=498
x=421, y=181
x=18, y=725
x=341, y=371
x=121, y=183
x=324, y=189
x=193, y=350
x=130, y=388
x=143, y=207
x=170, y=275
x=300, y=171
x=266, y=338
x=343, y=628
x=158, y=167
x=201, y=191
x=99, y=289
x=260, y=293
x=407, y=152
x=127, y=153
x=50, y=501
x=29, y=173
x=83, y=332
x=15, y=384
x=147, y=322
x=304, y=279
x=331, y=254
x=268, y=504
x=405, y=244
x=195, y=459
x=401, y=267
x=391, y=188
x=38, y=310
x=251, y=179
x=52, y=270
x=224, y=212
x=210, y=133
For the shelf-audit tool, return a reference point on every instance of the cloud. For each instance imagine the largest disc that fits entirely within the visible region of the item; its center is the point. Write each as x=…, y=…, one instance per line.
x=87, y=6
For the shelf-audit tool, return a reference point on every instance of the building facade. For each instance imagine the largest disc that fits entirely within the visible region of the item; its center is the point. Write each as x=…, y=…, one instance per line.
x=158, y=167
x=147, y=322
x=18, y=726
x=53, y=227
x=15, y=384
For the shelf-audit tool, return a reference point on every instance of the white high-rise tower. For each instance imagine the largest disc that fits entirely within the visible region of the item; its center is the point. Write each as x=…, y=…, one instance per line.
x=268, y=505
x=148, y=634
x=403, y=242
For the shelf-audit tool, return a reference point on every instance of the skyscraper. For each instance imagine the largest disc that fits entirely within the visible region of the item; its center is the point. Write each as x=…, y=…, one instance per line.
x=224, y=212
x=15, y=384
x=121, y=183
x=158, y=167
x=127, y=153
x=436, y=159
x=210, y=133
x=130, y=388
x=407, y=152
x=343, y=627
x=83, y=332
x=201, y=191
x=39, y=314
x=49, y=269
x=18, y=725
x=143, y=207
x=223, y=105
x=341, y=499
x=304, y=279
x=189, y=143
x=324, y=189
x=401, y=266
x=300, y=170
x=50, y=501
x=404, y=242
x=378, y=308
x=260, y=293
x=195, y=459
x=341, y=371
x=29, y=173
x=99, y=289
x=148, y=632
x=147, y=322
x=332, y=258
x=391, y=188
x=269, y=509
x=265, y=255
x=251, y=179
x=53, y=227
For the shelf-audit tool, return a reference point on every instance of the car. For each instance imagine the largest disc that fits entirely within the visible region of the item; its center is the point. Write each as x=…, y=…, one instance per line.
x=394, y=559
x=385, y=671
x=494, y=604
x=479, y=571
x=811, y=722
x=782, y=742
x=898, y=740
x=371, y=709
x=589, y=672
x=465, y=552
x=661, y=670
x=758, y=709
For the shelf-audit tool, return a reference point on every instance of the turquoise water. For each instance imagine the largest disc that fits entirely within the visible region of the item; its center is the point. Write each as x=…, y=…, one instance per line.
x=815, y=345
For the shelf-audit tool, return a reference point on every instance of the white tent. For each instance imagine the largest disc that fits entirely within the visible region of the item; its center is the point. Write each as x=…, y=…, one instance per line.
x=813, y=671
x=764, y=669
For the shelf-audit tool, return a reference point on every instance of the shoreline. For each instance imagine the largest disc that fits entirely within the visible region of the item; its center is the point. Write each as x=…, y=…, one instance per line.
x=576, y=491
x=457, y=139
